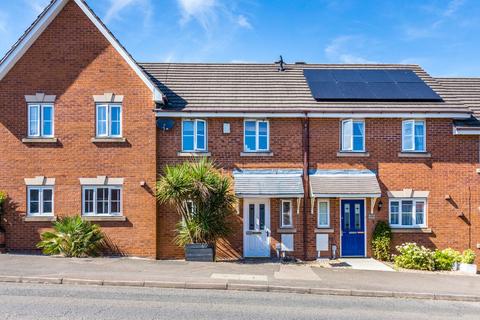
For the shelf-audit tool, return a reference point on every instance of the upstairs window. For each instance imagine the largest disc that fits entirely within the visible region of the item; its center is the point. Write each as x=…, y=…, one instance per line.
x=102, y=201
x=353, y=135
x=413, y=136
x=408, y=213
x=40, y=120
x=286, y=219
x=194, y=135
x=109, y=120
x=40, y=201
x=256, y=136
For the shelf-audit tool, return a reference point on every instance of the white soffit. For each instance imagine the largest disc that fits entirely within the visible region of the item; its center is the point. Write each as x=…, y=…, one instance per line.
x=44, y=21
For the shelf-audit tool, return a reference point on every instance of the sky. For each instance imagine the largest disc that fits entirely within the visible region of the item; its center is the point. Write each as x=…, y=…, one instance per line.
x=443, y=36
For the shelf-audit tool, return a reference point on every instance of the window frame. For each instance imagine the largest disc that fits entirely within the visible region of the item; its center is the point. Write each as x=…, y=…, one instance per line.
x=282, y=225
x=195, y=137
x=95, y=188
x=40, y=201
x=327, y=225
x=257, y=135
x=41, y=115
x=108, y=124
x=342, y=132
x=414, y=147
x=414, y=225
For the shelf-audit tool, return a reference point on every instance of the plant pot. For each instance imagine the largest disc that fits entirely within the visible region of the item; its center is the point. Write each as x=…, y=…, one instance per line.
x=199, y=252
x=468, y=268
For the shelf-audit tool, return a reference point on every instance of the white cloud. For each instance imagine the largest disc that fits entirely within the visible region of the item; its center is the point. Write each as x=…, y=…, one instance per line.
x=203, y=11
x=118, y=6
x=243, y=22
x=453, y=7
x=343, y=49
x=441, y=17
x=37, y=5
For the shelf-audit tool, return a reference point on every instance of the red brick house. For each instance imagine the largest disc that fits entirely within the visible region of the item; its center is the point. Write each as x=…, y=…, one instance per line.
x=318, y=153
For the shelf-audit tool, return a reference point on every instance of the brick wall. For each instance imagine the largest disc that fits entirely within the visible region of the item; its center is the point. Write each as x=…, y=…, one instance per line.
x=449, y=170
x=73, y=61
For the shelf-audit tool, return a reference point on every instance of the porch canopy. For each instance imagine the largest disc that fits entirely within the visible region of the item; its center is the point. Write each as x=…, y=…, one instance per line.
x=344, y=184
x=270, y=183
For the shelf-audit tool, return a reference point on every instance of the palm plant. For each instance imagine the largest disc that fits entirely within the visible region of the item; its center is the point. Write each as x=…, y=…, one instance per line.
x=202, y=196
x=72, y=237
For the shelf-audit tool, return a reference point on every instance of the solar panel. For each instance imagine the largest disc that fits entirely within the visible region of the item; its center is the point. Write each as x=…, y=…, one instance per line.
x=368, y=85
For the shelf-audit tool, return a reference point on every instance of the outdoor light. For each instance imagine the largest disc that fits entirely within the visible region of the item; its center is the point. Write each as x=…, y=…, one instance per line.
x=380, y=205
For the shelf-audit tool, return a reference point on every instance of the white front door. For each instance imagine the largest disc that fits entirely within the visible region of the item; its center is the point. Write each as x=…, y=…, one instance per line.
x=256, y=227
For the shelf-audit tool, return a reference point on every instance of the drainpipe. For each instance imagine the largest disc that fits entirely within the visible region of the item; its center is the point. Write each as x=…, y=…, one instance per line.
x=306, y=154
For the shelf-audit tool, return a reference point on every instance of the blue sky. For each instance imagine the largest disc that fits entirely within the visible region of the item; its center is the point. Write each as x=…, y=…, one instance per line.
x=441, y=35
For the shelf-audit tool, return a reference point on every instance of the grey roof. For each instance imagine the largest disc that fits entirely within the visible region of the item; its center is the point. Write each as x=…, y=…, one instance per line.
x=198, y=87
x=467, y=91
x=344, y=183
x=269, y=183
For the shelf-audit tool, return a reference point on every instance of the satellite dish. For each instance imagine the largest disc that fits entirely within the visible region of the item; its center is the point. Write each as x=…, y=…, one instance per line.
x=165, y=124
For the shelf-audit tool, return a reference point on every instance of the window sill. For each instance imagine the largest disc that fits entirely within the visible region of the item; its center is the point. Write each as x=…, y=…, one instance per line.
x=256, y=154
x=352, y=154
x=40, y=219
x=109, y=140
x=39, y=140
x=405, y=154
x=287, y=230
x=193, y=154
x=104, y=218
x=324, y=230
x=411, y=230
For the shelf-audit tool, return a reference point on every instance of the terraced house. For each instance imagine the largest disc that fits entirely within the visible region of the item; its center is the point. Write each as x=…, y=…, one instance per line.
x=318, y=153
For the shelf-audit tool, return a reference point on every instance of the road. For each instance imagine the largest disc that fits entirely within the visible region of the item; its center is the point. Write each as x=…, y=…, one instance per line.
x=29, y=301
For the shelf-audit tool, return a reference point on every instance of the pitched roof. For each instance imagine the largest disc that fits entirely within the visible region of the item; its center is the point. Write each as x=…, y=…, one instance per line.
x=344, y=183
x=466, y=91
x=46, y=17
x=268, y=183
x=203, y=87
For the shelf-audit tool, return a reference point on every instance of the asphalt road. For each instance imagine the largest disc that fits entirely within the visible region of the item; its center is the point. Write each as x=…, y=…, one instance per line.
x=26, y=301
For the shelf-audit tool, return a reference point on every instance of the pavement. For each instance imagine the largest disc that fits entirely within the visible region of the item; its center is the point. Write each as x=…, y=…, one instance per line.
x=42, y=302
x=241, y=276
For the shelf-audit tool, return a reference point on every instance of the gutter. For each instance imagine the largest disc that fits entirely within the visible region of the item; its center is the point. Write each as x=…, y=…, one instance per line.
x=306, y=163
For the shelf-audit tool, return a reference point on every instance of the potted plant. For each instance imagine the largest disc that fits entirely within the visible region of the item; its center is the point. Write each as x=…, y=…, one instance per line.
x=204, y=200
x=467, y=264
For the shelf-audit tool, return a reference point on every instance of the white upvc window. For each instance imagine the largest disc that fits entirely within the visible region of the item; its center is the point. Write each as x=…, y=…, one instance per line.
x=286, y=219
x=256, y=137
x=194, y=135
x=102, y=201
x=323, y=216
x=413, y=136
x=40, y=120
x=109, y=120
x=40, y=201
x=408, y=213
x=353, y=135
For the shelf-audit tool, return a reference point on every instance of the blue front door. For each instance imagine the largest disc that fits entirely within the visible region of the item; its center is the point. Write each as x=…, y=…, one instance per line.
x=353, y=228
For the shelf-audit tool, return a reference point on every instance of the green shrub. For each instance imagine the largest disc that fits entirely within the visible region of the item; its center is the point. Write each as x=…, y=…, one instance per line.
x=444, y=259
x=3, y=197
x=468, y=256
x=414, y=257
x=382, y=237
x=72, y=237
